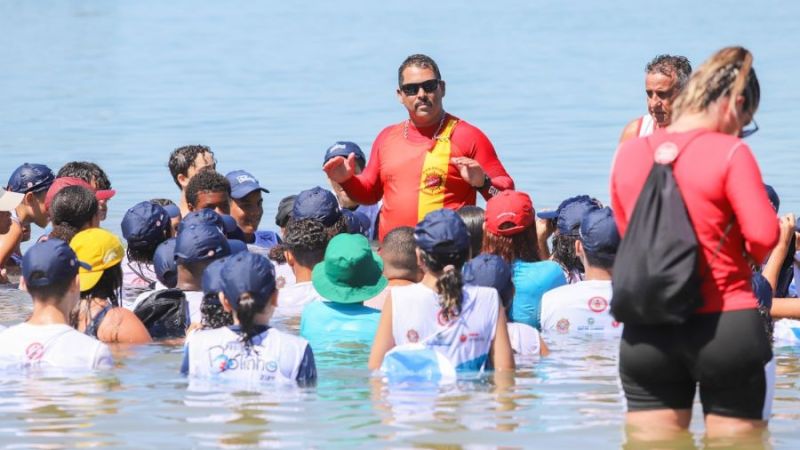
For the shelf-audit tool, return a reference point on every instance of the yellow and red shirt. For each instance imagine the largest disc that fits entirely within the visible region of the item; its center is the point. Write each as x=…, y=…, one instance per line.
x=410, y=169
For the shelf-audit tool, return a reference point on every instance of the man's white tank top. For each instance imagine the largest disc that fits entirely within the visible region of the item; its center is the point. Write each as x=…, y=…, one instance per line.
x=646, y=125
x=220, y=354
x=465, y=340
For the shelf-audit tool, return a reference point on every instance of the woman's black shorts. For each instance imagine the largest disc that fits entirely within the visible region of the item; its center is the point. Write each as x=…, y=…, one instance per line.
x=661, y=365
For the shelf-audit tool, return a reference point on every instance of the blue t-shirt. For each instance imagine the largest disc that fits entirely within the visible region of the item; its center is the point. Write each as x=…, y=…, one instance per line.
x=371, y=211
x=326, y=324
x=531, y=281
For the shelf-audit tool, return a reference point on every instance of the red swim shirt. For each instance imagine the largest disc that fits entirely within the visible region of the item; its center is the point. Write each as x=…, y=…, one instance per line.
x=719, y=180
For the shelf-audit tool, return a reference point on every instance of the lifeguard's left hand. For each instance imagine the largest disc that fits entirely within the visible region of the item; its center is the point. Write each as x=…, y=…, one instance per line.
x=470, y=170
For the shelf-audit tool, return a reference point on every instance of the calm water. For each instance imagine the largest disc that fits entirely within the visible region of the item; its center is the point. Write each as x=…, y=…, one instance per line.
x=269, y=87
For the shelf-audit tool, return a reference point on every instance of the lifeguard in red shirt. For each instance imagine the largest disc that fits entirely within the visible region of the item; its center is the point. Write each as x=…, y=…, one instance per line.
x=429, y=161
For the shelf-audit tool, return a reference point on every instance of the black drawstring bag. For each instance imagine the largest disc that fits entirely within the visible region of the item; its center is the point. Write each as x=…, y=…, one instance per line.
x=655, y=278
x=164, y=313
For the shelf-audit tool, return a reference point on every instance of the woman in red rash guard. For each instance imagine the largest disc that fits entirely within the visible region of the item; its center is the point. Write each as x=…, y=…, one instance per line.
x=722, y=346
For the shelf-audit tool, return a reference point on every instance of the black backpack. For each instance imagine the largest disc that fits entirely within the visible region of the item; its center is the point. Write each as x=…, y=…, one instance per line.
x=655, y=278
x=164, y=313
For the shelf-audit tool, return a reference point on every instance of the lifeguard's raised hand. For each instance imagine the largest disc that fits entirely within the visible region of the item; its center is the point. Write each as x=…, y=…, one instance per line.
x=340, y=169
x=470, y=170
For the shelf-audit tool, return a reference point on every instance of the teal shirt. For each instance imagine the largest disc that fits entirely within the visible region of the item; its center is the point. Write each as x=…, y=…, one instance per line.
x=326, y=324
x=531, y=281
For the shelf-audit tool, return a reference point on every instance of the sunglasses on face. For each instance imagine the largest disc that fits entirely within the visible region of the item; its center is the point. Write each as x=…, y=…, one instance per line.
x=410, y=89
x=752, y=128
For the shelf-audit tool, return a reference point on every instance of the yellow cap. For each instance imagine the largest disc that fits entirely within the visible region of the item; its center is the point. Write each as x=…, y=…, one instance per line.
x=98, y=248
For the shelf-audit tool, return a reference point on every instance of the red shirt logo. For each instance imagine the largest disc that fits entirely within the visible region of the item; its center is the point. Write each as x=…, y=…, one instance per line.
x=598, y=304
x=34, y=352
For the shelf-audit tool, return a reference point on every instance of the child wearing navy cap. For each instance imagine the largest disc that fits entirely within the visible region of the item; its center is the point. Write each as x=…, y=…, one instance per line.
x=33, y=181
x=249, y=351
x=50, y=275
x=466, y=324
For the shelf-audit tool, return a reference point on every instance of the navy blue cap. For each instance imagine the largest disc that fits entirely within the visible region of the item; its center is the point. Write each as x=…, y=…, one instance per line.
x=231, y=228
x=248, y=273
x=773, y=197
x=599, y=234
x=212, y=277
x=164, y=264
x=284, y=210
x=357, y=222
x=318, y=204
x=237, y=246
x=571, y=212
x=50, y=262
x=490, y=270
x=201, y=242
x=442, y=231
x=344, y=149
x=202, y=216
x=172, y=209
x=31, y=178
x=145, y=224
x=243, y=183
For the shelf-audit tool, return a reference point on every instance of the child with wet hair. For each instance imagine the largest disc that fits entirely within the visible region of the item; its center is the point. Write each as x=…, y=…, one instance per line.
x=213, y=314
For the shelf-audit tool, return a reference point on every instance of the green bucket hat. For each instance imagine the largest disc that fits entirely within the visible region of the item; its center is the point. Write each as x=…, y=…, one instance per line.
x=351, y=272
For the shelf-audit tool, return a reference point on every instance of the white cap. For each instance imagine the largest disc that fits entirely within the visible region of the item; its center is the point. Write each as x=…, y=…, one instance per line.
x=9, y=200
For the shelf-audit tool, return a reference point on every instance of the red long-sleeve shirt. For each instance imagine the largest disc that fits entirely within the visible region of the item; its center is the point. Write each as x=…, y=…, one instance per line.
x=396, y=164
x=719, y=180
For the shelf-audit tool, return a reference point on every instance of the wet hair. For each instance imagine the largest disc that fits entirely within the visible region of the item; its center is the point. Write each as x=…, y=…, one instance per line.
x=523, y=246
x=182, y=158
x=473, y=217
x=86, y=171
x=450, y=283
x=246, y=311
x=728, y=72
x=207, y=180
x=72, y=209
x=564, y=252
x=54, y=290
x=399, y=255
x=338, y=227
x=108, y=287
x=213, y=315
x=671, y=66
x=306, y=239
x=418, y=60
x=601, y=262
x=276, y=253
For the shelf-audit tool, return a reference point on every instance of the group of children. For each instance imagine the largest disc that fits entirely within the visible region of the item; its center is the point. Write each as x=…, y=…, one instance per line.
x=477, y=288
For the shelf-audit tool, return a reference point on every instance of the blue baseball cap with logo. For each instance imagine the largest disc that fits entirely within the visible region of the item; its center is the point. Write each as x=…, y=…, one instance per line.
x=571, y=212
x=599, y=234
x=201, y=242
x=318, y=204
x=50, y=262
x=145, y=224
x=344, y=149
x=443, y=232
x=248, y=273
x=164, y=264
x=492, y=271
x=243, y=183
x=580, y=199
x=31, y=178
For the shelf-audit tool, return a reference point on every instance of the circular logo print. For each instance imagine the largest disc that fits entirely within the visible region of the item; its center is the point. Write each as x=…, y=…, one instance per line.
x=433, y=181
x=412, y=336
x=272, y=366
x=615, y=324
x=666, y=153
x=598, y=304
x=463, y=338
x=441, y=318
x=562, y=326
x=280, y=282
x=35, y=351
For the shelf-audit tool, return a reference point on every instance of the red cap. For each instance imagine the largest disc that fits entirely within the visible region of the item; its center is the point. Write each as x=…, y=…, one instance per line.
x=511, y=208
x=61, y=183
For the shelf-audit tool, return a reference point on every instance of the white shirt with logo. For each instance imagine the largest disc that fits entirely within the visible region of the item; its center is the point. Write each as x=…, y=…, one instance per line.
x=580, y=308
x=275, y=356
x=524, y=339
x=57, y=345
x=464, y=340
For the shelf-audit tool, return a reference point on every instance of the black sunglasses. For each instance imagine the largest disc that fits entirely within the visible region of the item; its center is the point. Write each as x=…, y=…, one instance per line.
x=749, y=131
x=412, y=88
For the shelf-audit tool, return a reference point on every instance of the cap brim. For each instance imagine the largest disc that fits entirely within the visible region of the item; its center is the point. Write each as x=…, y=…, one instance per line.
x=172, y=210
x=84, y=265
x=338, y=293
x=89, y=279
x=105, y=194
x=236, y=194
x=547, y=214
x=10, y=200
